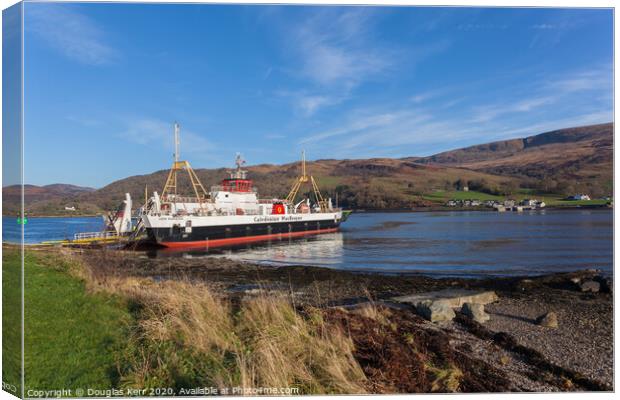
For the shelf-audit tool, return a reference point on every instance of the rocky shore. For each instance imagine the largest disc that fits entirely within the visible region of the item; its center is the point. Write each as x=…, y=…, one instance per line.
x=548, y=333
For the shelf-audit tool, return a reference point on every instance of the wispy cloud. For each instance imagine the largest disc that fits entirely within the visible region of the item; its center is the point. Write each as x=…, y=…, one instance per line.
x=334, y=49
x=599, y=79
x=73, y=34
x=419, y=129
x=359, y=121
x=489, y=112
x=547, y=92
x=306, y=104
x=150, y=131
x=332, y=52
x=544, y=26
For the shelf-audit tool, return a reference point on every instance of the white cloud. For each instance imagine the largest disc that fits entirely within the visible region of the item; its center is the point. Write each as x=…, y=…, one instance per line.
x=600, y=79
x=544, y=26
x=356, y=122
x=490, y=112
x=332, y=52
x=73, y=34
x=149, y=131
x=547, y=92
x=334, y=48
x=415, y=129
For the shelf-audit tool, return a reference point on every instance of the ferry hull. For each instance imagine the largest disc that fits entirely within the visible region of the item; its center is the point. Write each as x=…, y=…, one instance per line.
x=229, y=235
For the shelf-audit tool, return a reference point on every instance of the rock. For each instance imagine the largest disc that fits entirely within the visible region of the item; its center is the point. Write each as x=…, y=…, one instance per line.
x=454, y=298
x=435, y=312
x=590, y=286
x=606, y=283
x=549, y=320
x=576, y=280
x=475, y=312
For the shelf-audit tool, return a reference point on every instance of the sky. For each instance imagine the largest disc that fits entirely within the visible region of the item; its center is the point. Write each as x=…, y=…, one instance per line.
x=104, y=83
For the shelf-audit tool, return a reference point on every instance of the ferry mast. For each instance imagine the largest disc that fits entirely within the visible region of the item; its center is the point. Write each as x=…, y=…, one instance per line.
x=170, y=188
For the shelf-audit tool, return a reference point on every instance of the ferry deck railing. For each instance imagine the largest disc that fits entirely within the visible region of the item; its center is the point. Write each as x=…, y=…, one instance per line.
x=95, y=235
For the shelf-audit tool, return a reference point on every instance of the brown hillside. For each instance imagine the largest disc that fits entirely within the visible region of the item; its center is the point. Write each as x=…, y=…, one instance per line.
x=564, y=160
x=373, y=183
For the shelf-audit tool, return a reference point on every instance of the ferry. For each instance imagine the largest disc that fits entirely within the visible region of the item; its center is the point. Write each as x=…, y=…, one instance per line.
x=232, y=213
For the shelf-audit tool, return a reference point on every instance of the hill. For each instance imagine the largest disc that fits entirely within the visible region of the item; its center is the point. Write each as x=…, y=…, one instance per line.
x=56, y=196
x=561, y=162
x=565, y=160
x=380, y=183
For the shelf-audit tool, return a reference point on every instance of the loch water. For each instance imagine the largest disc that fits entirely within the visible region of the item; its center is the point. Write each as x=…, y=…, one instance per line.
x=454, y=243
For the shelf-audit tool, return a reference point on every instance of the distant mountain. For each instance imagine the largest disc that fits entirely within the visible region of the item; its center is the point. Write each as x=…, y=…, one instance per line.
x=578, y=158
x=563, y=161
x=54, y=193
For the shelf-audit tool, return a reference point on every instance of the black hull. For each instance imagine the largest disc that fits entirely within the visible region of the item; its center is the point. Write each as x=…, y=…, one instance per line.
x=210, y=236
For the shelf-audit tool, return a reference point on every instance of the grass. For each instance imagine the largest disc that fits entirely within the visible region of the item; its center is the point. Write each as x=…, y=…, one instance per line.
x=87, y=329
x=11, y=320
x=574, y=203
x=443, y=196
x=71, y=337
x=89, y=325
x=187, y=336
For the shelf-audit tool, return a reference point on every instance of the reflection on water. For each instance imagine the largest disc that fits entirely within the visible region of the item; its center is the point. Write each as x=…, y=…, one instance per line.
x=444, y=243
x=324, y=250
x=451, y=243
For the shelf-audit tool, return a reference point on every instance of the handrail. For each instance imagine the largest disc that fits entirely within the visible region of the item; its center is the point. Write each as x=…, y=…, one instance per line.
x=94, y=235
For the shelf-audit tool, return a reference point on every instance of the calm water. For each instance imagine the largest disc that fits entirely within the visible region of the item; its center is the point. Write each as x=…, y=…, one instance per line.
x=444, y=243
x=38, y=230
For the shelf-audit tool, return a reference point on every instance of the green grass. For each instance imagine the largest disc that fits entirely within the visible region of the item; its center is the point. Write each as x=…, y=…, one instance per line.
x=72, y=338
x=11, y=320
x=574, y=203
x=443, y=196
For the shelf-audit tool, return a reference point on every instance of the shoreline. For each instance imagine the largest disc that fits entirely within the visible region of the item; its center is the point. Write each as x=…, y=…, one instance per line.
x=392, y=344
x=567, y=352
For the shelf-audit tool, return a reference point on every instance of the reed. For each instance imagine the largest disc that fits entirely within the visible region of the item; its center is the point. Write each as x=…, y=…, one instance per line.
x=188, y=334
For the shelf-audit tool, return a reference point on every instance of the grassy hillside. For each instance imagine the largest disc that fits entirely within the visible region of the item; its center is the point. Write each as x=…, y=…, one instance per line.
x=563, y=161
x=374, y=183
x=48, y=199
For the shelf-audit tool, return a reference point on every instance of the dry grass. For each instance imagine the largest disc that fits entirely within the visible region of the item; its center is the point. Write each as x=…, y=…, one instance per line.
x=285, y=347
x=187, y=334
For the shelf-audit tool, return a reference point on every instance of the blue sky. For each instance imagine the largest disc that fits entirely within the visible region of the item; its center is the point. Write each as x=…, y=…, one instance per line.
x=105, y=82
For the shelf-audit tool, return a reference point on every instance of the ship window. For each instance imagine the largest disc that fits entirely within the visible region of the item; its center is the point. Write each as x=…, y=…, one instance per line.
x=226, y=195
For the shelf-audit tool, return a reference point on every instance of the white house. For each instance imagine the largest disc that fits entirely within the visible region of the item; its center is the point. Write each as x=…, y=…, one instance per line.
x=580, y=197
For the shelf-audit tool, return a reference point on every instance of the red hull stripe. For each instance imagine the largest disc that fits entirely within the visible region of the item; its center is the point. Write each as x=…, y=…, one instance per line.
x=244, y=239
